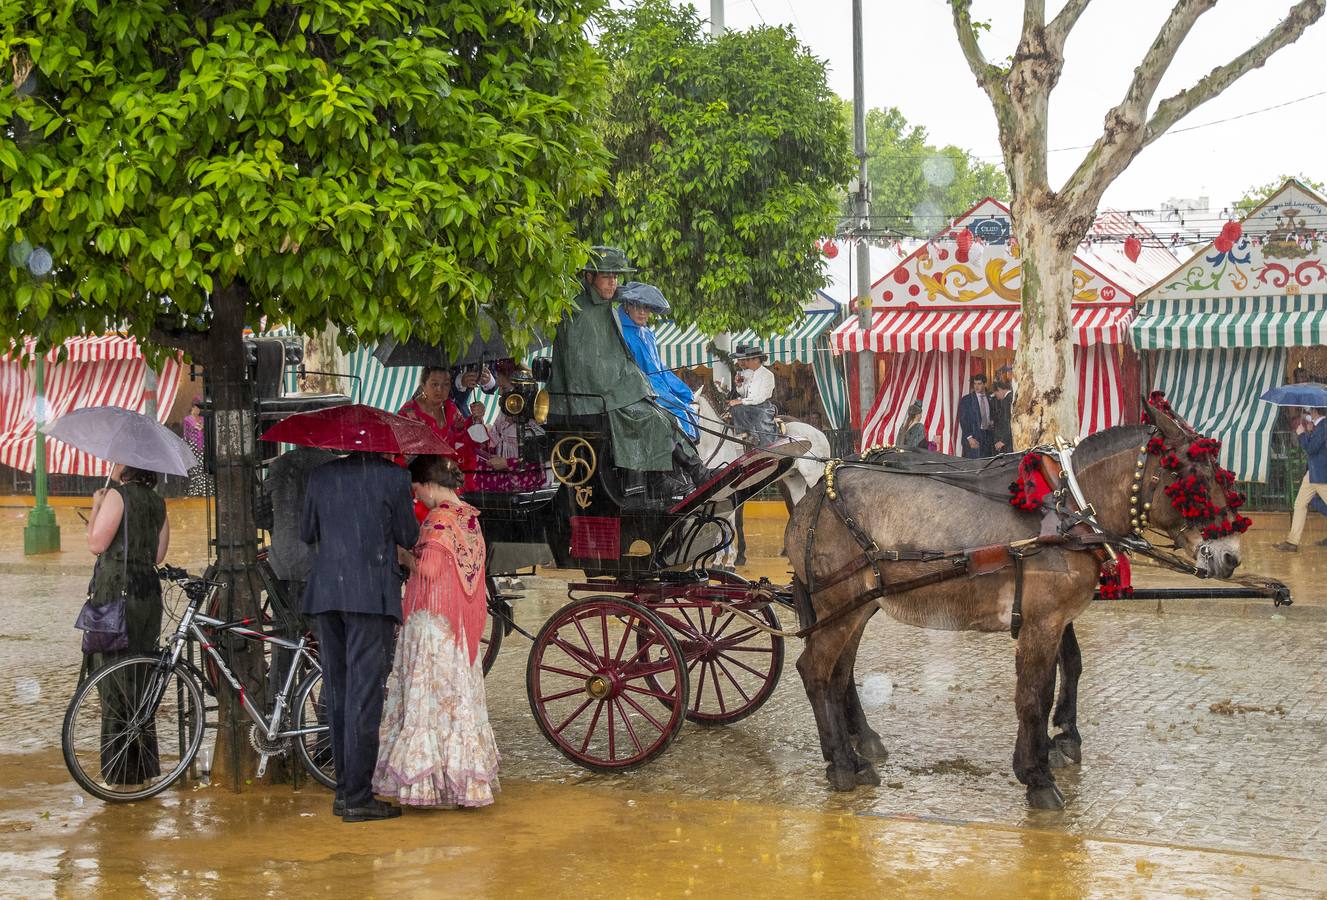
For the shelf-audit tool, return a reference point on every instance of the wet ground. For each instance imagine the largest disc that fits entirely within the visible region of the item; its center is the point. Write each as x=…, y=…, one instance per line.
x=1204, y=773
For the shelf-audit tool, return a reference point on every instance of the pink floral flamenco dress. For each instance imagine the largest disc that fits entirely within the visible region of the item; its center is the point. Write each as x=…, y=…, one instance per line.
x=436, y=748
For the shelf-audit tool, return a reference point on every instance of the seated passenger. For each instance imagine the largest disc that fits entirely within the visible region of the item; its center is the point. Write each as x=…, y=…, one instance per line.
x=501, y=469
x=639, y=301
x=753, y=407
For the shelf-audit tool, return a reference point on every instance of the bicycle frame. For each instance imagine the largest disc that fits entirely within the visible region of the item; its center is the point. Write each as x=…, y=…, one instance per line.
x=192, y=623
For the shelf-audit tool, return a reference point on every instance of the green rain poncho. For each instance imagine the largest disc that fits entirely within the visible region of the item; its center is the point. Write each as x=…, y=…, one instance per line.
x=591, y=357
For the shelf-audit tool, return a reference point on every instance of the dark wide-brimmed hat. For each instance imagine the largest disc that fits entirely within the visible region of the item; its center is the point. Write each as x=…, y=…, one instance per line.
x=646, y=295
x=608, y=261
x=750, y=351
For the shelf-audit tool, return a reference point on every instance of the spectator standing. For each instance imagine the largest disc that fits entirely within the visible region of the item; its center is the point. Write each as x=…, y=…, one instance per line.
x=1313, y=438
x=974, y=419
x=437, y=748
x=914, y=429
x=1002, y=418
x=358, y=511
x=200, y=483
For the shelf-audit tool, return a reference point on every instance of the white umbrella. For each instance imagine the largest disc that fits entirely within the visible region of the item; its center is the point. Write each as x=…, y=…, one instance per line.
x=123, y=436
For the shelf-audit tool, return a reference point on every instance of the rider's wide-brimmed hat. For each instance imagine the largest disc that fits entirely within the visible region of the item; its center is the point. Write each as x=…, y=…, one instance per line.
x=750, y=351
x=608, y=261
x=646, y=295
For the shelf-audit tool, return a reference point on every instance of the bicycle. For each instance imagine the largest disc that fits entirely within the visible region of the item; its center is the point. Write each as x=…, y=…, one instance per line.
x=135, y=726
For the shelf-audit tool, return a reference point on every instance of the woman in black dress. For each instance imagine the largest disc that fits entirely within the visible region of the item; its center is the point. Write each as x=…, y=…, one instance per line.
x=129, y=534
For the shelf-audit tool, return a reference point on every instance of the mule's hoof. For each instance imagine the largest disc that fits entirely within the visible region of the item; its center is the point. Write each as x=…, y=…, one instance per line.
x=866, y=774
x=872, y=748
x=1047, y=797
x=841, y=779
x=1070, y=748
x=1055, y=759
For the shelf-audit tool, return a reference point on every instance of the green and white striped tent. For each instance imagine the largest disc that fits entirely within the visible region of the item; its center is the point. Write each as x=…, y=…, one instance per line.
x=1217, y=331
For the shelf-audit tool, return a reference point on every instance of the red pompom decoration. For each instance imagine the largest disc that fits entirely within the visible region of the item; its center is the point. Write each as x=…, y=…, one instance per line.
x=1132, y=248
x=830, y=249
x=1231, y=232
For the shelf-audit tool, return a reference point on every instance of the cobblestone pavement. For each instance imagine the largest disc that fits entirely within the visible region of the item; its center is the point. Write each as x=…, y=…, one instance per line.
x=1199, y=731
x=1159, y=763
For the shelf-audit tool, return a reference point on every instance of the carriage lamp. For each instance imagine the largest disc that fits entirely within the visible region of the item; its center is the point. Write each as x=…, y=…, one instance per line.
x=526, y=401
x=541, y=368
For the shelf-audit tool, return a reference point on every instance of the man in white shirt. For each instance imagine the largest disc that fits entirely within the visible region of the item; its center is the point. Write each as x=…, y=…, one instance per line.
x=753, y=407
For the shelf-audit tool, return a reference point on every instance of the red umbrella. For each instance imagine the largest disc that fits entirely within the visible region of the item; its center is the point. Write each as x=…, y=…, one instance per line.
x=357, y=427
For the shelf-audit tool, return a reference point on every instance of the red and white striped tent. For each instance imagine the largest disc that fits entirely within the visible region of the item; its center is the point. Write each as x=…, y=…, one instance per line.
x=102, y=370
x=959, y=294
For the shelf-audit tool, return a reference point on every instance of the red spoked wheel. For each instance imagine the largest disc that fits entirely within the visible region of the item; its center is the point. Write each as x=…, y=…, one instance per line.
x=732, y=666
x=607, y=684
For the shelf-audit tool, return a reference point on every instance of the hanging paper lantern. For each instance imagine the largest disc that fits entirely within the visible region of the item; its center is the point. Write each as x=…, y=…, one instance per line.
x=830, y=249
x=1132, y=247
x=964, y=243
x=1222, y=243
x=1232, y=231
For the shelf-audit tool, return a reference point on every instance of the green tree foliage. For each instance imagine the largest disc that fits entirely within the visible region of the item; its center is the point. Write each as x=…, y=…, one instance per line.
x=1257, y=195
x=916, y=187
x=191, y=166
x=390, y=165
x=729, y=160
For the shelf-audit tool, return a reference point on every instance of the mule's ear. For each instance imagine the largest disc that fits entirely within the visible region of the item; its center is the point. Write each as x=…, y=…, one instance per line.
x=1171, y=431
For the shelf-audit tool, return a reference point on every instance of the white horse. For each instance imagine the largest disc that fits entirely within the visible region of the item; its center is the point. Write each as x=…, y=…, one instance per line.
x=718, y=451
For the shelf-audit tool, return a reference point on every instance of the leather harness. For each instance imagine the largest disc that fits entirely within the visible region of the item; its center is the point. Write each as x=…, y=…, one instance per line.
x=1082, y=533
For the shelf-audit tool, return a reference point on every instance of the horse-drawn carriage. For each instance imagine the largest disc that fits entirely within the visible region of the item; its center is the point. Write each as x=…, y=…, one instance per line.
x=643, y=644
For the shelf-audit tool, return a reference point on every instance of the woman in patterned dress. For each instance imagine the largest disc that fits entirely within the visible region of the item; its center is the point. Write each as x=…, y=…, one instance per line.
x=436, y=748
x=200, y=483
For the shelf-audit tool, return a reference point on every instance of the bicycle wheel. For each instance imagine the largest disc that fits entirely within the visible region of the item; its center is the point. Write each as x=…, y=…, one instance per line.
x=315, y=747
x=133, y=728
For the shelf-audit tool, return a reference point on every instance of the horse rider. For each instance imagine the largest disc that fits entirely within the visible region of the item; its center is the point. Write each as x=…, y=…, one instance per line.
x=639, y=302
x=753, y=407
x=595, y=375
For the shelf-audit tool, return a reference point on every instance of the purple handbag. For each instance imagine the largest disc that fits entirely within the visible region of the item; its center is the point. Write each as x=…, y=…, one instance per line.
x=104, y=627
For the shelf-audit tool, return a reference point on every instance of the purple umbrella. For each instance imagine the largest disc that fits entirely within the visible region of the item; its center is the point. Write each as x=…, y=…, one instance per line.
x=123, y=436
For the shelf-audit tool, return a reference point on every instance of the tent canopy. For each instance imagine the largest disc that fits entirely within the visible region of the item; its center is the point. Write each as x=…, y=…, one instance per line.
x=1221, y=322
x=900, y=330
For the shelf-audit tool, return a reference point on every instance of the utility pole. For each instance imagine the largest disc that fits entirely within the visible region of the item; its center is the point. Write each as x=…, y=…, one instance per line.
x=866, y=357
x=42, y=534
x=724, y=339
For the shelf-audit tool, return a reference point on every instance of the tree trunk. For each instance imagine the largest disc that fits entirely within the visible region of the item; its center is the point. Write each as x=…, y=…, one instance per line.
x=1046, y=402
x=236, y=534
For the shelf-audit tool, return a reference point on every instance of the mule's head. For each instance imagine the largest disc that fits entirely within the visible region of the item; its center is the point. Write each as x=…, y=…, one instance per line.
x=1188, y=495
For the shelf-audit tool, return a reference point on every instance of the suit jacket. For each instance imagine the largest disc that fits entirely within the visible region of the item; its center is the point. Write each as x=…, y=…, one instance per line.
x=1002, y=425
x=969, y=417
x=1315, y=445
x=358, y=510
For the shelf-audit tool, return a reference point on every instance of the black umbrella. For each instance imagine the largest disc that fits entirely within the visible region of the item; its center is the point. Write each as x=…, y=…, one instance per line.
x=415, y=352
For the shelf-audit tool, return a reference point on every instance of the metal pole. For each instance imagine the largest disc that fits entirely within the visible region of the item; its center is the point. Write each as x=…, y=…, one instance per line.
x=42, y=534
x=866, y=357
x=723, y=340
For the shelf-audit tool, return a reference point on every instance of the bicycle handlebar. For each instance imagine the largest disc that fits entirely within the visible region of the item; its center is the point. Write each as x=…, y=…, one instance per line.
x=181, y=576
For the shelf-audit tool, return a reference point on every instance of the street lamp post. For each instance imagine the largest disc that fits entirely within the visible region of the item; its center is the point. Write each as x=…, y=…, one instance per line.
x=42, y=534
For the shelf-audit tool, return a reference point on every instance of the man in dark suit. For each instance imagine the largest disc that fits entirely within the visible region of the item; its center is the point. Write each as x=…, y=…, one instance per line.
x=358, y=510
x=974, y=420
x=1002, y=417
x=1312, y=433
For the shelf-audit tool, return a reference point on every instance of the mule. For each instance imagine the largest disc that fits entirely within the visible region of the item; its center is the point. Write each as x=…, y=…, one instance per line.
x=718, y=449
x=971, y=508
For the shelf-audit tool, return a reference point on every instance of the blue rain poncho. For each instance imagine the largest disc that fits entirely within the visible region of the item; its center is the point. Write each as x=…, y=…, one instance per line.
x=673, y=393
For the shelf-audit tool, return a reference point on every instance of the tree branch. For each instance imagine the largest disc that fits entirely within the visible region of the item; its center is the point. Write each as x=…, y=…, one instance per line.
x=1172, y=109
x=167, y=333
x=1122, y=138
x=1064, y=22
x=991, y=78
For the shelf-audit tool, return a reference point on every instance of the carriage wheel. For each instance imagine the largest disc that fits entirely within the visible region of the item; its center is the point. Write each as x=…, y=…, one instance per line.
x=494, y=627
x=732, y=666
x=607, y=684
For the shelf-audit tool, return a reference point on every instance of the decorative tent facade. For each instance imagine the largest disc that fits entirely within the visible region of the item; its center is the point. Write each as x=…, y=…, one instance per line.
x=102, y=370
x=958, y=295
x=1218, y=330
